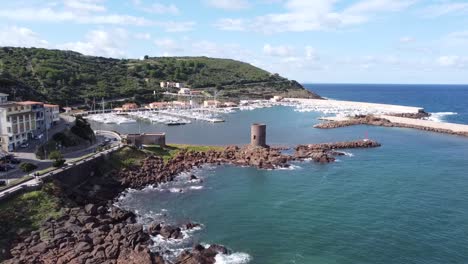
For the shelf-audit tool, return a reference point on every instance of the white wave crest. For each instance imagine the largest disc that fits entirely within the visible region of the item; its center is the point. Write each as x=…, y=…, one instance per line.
x=440, y=116
x=291, y=167
x=196, y=187
x=347, y=154
x=235, y=258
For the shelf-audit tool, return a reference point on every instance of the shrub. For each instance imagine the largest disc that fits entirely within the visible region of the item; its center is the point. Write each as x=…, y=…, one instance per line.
x=27, y=167
x=58, y=158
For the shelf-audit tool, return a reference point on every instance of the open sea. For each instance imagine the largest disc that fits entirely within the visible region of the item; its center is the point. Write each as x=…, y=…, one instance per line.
x=406, y=202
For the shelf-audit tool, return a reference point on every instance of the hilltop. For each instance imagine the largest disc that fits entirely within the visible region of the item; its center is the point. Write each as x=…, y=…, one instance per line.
x=69, y=77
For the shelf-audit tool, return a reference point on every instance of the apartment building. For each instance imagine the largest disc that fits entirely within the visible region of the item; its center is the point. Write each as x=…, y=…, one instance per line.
x=38, y=109
x=51, y=115
x=17, y=124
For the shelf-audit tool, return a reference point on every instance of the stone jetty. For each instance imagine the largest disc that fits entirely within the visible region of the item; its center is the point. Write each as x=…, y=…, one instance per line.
x=397, y=121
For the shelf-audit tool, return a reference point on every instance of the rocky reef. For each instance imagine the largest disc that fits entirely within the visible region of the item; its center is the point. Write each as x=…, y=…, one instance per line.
x=153, y=170
x=326, y=152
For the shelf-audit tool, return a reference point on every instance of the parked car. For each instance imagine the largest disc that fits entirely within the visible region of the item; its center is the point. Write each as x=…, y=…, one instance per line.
x=3, y=183
x=24, y=145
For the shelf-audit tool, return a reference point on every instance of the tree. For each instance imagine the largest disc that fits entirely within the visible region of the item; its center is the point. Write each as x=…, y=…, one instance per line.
x=146, y=57
x=57, y=157
x=27, y=167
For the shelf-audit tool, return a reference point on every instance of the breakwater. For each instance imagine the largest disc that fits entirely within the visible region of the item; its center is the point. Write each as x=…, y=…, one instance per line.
x=395, y=121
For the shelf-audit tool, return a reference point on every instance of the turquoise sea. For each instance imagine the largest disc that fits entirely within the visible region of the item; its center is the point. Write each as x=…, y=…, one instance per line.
x=405, y=202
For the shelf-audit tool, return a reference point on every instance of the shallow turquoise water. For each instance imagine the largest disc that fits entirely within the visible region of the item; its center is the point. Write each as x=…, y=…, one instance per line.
x=405, y=202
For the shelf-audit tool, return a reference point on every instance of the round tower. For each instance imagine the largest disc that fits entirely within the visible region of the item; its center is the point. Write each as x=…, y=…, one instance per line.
x=258, y=135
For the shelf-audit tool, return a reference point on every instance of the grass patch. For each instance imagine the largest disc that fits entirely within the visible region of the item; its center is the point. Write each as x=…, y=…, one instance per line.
x=123, y=158
x=170, y=151
x=16, y=182
x=25, y=212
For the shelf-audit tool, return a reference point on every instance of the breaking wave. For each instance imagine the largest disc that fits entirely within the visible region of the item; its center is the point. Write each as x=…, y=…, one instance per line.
x=440, y=116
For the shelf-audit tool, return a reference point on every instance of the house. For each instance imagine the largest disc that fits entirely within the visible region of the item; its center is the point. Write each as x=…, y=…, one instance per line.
x=67, y=110
x=184, y=91
x=196, y=92
x=129, y=106
x=211, y=103
x=51, y=115
x=158, y=105
x=171, y=85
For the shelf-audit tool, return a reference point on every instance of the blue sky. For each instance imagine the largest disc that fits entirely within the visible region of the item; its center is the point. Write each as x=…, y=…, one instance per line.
x=316, y=41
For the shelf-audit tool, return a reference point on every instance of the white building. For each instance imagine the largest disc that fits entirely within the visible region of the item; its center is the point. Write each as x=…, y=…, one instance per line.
x=17, y=125
x=3, y=98
x=51, y=115
x=171, y=85
x=184, y=91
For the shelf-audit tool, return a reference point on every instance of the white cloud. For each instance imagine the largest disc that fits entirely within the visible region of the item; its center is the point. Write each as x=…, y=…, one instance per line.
x=168, y=45
x=230, y=24
x=452, y=61
x=278, y=51
x=21, y=37
x=446, y=8
x=172, y=26
x=101, y=43
x=143, y=36
x=228, y=4
x=407, y=40
x=306, y=15
x=54, y=16
x=85, y=5
x=158, y=8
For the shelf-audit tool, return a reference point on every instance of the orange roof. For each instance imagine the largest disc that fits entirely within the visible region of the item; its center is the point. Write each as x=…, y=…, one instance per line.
x=50, y=105
x=30, y=103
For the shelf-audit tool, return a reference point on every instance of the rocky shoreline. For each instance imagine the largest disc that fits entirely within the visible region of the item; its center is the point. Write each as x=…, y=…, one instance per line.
x=99, y=232
x=377, y=121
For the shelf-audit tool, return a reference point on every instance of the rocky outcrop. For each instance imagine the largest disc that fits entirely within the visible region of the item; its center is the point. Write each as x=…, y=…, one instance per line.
x=325, y=152
x=93, y=234
x=359, y=120
x=153, y=170
x=106, y=234
x=418, y=115
x=201, y=255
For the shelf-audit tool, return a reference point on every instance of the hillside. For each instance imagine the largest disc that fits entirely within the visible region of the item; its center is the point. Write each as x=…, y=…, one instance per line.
x=69, y=77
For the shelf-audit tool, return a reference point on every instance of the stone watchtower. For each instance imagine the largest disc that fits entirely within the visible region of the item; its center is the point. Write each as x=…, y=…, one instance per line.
x=258, y=135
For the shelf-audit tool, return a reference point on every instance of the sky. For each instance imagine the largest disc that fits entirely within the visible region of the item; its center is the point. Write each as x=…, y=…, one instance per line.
x=311, y=41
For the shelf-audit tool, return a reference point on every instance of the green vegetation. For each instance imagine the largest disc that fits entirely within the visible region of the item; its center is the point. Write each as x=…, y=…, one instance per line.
x=58, y=158
x=83, y=129
x=80, y=134
x=172, y=150
x=27, y=167
x=68, y=77
x=25, y=213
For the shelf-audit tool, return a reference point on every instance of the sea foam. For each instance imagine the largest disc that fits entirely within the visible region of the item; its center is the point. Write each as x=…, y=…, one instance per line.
x=440, y=116
x=234, y=258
